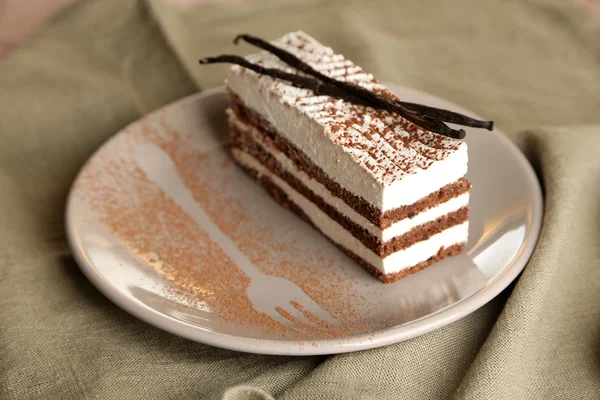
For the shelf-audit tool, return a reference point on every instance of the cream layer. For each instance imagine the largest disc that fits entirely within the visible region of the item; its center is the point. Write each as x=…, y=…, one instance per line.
x=394, y=262
x=398, y=228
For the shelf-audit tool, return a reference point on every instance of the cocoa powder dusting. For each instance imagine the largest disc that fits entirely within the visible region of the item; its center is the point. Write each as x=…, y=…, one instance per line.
x=155, y=229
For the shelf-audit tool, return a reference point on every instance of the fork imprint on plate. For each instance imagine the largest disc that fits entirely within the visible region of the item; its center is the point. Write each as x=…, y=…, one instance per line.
x=282, y=300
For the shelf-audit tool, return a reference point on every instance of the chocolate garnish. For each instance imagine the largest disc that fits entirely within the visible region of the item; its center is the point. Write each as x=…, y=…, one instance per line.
x=427, y=111
x=429, y=118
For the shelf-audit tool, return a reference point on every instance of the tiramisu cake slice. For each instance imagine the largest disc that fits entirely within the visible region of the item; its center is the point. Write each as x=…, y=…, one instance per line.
x=390, y=194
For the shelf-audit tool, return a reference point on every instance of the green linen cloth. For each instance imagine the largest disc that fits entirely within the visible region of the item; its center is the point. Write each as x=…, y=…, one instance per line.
x=532, y=66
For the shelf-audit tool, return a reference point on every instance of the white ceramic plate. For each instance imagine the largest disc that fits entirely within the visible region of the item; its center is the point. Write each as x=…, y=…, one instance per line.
x=168, y=228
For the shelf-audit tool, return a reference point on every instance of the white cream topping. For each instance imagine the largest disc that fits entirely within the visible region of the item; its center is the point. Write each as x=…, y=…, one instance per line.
x=364, y=155
x=395, y=262
x=396, y=229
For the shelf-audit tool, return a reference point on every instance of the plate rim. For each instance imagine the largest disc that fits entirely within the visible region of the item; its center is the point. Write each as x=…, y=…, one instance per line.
x=365, y=341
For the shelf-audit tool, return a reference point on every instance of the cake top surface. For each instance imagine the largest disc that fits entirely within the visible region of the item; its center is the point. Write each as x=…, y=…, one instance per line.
x=386, y=145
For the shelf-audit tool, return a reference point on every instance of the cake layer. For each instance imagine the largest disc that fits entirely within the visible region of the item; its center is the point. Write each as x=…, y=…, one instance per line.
x=398, y=236
x=443, y=253
x=353, y=206
x=375, y=155
x=424, y=251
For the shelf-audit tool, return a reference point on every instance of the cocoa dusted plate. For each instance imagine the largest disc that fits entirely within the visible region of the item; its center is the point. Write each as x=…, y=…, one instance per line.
x=168, y=228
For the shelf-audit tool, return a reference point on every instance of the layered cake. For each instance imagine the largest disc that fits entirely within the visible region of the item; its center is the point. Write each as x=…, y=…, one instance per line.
x=388, y=192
